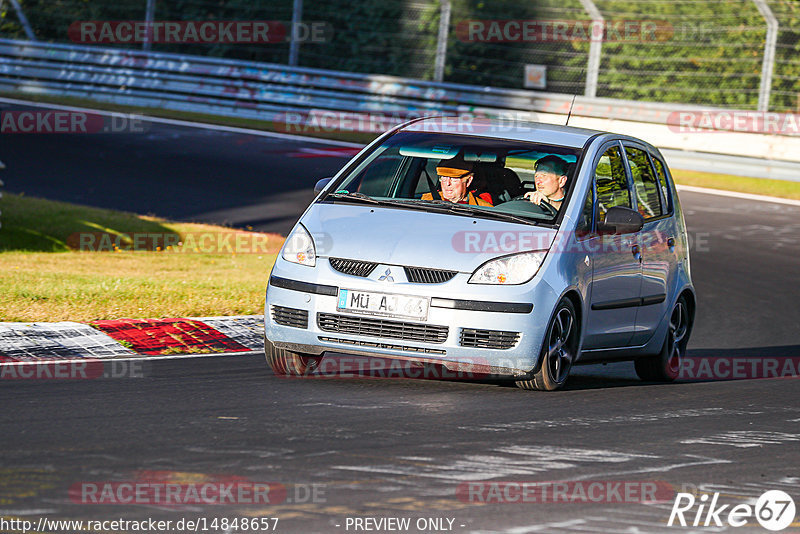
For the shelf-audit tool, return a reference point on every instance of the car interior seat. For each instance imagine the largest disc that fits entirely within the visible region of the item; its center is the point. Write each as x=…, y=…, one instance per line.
x=501, y=183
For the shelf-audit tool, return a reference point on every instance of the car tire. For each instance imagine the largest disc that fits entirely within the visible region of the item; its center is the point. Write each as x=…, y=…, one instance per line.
x=666, y=366
x=287, y=363
x=559, y=350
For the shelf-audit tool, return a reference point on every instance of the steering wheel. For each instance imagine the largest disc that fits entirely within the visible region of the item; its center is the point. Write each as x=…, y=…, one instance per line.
x=548, y=208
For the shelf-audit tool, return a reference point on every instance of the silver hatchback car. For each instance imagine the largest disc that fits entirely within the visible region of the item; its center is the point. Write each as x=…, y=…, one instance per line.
x=517, y=248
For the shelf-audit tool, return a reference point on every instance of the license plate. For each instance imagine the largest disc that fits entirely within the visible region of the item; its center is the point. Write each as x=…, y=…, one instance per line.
x=386, y=304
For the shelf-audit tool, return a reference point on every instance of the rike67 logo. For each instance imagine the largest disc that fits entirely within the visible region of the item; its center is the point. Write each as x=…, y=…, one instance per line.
x=774, y=510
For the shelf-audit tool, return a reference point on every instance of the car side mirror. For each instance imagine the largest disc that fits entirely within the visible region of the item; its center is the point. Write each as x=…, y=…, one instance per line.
x=321, y=184
x=620, y=220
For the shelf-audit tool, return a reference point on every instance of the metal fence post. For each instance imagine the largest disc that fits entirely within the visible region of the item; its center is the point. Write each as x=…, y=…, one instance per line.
x=768, y=64
x=441, y=42
x=148, y=19
x=294, y=44
x=595, y=47
x=23, y=20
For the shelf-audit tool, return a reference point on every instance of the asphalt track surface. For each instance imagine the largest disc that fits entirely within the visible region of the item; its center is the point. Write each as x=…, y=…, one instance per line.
x=190, y=174
x=381, y=448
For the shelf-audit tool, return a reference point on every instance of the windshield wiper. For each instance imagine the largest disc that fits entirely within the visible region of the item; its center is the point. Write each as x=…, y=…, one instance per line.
x=473, y=210
x=451, y=207
x=361, y=197
x=355, y=196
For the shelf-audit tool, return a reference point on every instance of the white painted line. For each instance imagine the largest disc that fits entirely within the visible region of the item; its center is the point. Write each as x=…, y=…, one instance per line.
x=190, y=124
x=130, y=359
x=734, y=194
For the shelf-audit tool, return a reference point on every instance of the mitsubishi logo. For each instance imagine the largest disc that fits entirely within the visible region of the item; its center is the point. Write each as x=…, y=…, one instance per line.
x=387, y=276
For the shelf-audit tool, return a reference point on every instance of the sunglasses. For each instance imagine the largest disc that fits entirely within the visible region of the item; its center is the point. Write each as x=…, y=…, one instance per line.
x=450, y=179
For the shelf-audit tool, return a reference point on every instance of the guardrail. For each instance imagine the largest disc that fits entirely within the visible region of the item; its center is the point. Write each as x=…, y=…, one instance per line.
x=268, y=92
x=249, y=89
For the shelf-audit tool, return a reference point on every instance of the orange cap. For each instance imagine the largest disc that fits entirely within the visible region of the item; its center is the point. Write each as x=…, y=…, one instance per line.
x=454, y=168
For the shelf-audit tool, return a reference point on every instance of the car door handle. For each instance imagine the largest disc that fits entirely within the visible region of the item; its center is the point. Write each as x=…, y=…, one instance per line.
x=671, y=244
x=637, y=253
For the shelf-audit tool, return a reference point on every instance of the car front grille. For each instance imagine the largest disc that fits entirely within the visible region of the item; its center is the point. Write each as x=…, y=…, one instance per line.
x=381, y=328
x=488, y=339
x=416, y=275
x=421, y=275
x=352, y=267
x=290, y=317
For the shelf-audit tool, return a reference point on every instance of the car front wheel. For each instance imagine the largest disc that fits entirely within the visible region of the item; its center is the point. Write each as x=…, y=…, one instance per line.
x=559, y=350
x=287, y=363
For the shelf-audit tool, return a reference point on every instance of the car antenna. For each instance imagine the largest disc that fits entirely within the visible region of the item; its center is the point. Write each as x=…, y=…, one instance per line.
x=570, y=110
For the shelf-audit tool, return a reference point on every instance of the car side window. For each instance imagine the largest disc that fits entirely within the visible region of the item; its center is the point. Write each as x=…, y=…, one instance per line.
x=662, y=180
x=648, y=199
x=611, y=183
x=422, y=183
x=584, y=226
x=378, y=177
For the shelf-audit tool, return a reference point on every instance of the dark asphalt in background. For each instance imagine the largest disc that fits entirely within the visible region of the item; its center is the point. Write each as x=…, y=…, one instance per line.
x=400, y=448
x=176, y=172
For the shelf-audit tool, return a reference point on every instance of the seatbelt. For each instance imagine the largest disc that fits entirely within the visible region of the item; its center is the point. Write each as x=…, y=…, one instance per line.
x=434, y=191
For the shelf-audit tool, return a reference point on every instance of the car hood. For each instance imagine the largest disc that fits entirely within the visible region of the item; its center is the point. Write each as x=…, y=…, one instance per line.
x=396, y=236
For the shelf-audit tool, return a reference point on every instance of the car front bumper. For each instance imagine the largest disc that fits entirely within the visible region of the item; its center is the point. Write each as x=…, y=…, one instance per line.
x=470, y=321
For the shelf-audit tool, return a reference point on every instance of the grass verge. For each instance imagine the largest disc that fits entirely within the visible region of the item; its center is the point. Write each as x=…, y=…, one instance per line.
x=43, y=278
x=740, y=184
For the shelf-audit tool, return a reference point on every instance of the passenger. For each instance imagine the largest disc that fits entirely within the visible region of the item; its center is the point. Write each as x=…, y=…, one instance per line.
x=455, y=177
x=550, y=177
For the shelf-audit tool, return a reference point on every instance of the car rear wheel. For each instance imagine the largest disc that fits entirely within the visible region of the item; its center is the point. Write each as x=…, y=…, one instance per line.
x=559, y=350
x=666, y=366
x=287, y=363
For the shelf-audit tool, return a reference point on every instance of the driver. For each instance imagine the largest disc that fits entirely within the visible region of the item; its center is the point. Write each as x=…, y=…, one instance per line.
x=455, y=177
x=550, y=176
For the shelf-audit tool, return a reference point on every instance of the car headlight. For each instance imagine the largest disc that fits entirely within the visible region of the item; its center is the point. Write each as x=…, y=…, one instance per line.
x=509, y=270
x=299, y=247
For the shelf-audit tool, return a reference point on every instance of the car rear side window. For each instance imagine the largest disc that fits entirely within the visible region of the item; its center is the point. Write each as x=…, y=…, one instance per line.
x=585, y=222
x=612, y=182
x=662, y=180
x=648, y=198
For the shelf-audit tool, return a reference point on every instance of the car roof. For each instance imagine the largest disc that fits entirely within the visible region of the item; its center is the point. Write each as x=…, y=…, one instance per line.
x=537, y=132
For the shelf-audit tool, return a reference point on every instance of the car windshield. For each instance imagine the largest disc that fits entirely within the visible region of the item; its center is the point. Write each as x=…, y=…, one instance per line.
x=463, y=175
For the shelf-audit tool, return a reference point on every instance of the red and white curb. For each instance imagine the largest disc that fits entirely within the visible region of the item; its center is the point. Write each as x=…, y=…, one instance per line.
x=126, y=338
